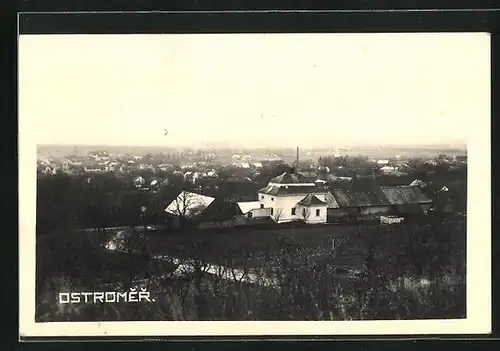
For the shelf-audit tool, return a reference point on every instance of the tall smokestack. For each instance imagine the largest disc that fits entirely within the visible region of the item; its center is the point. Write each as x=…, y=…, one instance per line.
x=297, y=160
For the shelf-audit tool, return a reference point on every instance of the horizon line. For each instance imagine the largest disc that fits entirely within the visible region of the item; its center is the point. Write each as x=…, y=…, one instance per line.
x=339, y=146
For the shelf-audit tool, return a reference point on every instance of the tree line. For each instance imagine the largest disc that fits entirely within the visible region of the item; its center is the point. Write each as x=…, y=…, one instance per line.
x=97, y=201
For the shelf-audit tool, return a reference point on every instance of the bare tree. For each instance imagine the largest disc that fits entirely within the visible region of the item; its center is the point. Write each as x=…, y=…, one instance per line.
x=186, y=206
x=196, y=268
x=240, y=274
x=306, y=213
x=219, y=275
x=278, y=214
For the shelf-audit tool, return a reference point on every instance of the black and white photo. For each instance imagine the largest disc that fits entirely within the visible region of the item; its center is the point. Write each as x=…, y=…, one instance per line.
x=258, y=184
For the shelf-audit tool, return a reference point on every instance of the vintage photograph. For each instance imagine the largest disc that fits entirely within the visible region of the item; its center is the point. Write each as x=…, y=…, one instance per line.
x=254, y=177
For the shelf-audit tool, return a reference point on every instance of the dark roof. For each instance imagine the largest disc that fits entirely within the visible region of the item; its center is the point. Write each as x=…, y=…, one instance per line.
x=238, y=191
x=330, y=200
x=221, y=209
x=309, y=175
x=379, y=196
x=289, y=178
x=400, y=195
x=311, y=200
x=271, y=189
x=349, y=198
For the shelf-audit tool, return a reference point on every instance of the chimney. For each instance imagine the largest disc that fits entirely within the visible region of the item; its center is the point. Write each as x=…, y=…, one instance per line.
x=297, y=161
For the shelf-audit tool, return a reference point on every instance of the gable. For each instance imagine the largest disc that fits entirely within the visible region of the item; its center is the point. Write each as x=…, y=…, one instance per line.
x=189, y=204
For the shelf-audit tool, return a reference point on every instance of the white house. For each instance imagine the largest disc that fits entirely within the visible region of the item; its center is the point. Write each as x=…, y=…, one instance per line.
x=320, y=182
x=212, y=173
x=289, y=197
x=388, y=170
x=312, y=209
x=391, y=219
x=252, y=209
x=188, y=204
x=139, y=181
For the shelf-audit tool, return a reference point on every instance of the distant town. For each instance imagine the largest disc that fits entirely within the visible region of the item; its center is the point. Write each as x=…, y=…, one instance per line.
x=210, y=173
x=196, y=164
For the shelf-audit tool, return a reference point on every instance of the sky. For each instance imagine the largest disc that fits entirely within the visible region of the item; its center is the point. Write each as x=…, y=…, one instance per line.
x=254, y=90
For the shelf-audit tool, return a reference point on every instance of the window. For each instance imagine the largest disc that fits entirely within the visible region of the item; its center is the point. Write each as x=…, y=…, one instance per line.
x=272, y=211
x=249, y=214
x=317, y=213
x=261, y=205
x=272, y=199
x=293, y=211
x=262, y=197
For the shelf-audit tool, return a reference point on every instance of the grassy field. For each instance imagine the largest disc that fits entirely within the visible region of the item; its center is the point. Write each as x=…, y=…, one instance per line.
x=257, y=240
x=246, y=246
x=237, y=243
x=76, y=261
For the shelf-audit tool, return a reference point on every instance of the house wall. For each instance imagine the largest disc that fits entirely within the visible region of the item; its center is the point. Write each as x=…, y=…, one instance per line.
x=286, y=203
x=282, y=206
x=266, y=200
x=402, y=210
x=388, y=171
x=334, y=214
x=387, y=209
x=260, y=212
x=312, y=218
x=390, y=220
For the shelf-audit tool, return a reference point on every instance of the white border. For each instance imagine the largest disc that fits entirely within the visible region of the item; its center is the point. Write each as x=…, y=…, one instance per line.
x=478, y=319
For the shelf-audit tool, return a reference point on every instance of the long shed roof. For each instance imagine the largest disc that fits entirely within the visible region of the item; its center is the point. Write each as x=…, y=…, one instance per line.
x=384, y=195
x=401, y=195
